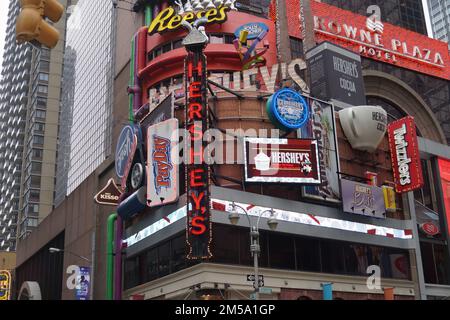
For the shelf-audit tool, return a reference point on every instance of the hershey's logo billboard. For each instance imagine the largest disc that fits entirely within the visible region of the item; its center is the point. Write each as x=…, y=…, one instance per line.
x=335, y=73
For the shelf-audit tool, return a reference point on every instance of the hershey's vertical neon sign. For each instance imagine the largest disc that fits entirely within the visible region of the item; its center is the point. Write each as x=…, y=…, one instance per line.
x=199, y=226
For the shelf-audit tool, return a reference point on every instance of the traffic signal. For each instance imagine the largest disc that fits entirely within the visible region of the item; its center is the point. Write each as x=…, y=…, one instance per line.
x=31, y=24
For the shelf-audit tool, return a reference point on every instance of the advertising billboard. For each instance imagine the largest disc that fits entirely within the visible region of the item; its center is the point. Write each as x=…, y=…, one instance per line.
x=83, y=284
x=321, y=127
x=405, y=155
x=336, y=73
x=5, y=285
x=281, y=160
x=163, y=111
x=363, y=199
x=162, y=173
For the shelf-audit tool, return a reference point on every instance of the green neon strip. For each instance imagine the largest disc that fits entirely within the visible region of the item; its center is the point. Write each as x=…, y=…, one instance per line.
x=110, y=256
x=148, y=14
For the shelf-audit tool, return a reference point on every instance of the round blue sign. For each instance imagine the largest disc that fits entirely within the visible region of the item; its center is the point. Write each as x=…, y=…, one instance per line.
x=287, y=109
x=123, y=149
x=254, y=30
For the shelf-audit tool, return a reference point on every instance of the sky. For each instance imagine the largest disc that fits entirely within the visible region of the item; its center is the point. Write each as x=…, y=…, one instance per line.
x=4, y=4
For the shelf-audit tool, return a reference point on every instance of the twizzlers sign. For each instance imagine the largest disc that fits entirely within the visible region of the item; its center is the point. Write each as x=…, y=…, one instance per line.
x=374, y=39
x=199, y=225
x=405, y=155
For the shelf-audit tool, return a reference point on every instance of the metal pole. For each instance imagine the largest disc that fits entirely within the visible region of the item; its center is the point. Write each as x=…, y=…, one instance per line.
x=255, y=250
x=110, y=256
x=415, y=231
x=118, y=260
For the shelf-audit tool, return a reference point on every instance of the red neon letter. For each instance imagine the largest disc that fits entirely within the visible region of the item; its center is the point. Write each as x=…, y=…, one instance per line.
x=197, y=199
x=196, y=131
x=197, y=222
x=196, y=154
x=195, y=109
x=196, y=175
x=194, y=90
x=191, y=68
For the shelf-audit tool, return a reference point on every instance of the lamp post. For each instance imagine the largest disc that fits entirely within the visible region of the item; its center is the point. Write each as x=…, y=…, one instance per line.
x=55, y=250
x=255, y=248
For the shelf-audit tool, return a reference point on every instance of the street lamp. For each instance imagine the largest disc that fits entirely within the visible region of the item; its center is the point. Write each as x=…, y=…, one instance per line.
x=56, y=250
x=255, y=248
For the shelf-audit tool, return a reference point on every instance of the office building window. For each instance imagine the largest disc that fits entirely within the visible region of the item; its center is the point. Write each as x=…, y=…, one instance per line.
x=43, y=77
x=296, y=48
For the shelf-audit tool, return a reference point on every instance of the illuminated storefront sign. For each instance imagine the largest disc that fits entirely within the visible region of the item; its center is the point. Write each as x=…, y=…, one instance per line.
x=169, y=20
x=280, y=215
x=321, y=127
x=5, y=285
x=123, y=149
x=287, y=109
x=247, y=39
x=381, y=41
x=129, y=162
x=162, y=173
x=281, y=160
x=361, y=198
x=109, y=195
x=405, y=155
x=253, y=29
x=199, y=225
x=429, y=228
x=444, y=172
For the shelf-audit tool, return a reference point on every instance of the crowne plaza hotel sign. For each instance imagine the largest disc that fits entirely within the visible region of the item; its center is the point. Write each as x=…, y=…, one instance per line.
x=378, y=40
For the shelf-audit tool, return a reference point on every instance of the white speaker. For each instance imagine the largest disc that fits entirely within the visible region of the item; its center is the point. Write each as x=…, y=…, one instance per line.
x=364, y=126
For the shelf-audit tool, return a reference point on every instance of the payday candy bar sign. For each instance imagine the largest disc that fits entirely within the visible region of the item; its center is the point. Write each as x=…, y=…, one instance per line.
x=374, y=39
x=405, y=155
x=281, y=160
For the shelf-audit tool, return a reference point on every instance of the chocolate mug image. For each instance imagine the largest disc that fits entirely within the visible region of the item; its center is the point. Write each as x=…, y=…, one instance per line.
x=364, y=126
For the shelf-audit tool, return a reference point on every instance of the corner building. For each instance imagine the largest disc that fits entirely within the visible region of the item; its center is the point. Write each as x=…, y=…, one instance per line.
x=296, y=259
x=315, y=241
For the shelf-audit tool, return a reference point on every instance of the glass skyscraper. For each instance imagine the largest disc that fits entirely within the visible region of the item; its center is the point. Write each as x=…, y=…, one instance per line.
x=86, y=108
x=13, y=101
x=407, y=14
x=439, y=11
x=29, y=110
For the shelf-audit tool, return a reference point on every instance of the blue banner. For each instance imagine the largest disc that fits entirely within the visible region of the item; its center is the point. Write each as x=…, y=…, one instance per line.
x=83, y=284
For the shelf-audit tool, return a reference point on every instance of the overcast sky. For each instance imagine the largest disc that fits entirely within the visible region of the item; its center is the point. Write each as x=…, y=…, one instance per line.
x=4, y=4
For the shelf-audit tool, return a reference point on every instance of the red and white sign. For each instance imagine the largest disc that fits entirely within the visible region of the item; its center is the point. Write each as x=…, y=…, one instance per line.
x=281, y=160
x=429, y=228
x=374, y=39
x=444, y=173
x=405, y=155
x=162, y=173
